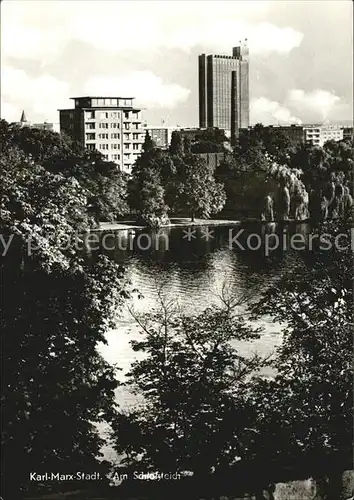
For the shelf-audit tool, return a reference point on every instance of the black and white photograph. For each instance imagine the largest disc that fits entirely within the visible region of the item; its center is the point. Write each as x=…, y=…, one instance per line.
x=177, y=241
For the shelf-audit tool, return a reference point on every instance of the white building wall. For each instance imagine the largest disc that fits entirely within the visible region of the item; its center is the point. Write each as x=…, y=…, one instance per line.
x=116, y=133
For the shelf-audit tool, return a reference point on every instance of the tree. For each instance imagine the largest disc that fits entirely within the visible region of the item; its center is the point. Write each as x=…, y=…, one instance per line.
x=196, y=188
x=176, y=145
x=58, y=154
x=148, y=143
x=209, y=141
x=56, y=309
x=192, y=380
x=303, y=418
x=146, y=191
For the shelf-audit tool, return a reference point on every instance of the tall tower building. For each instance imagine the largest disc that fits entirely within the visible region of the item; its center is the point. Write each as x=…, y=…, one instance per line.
x=224, y=90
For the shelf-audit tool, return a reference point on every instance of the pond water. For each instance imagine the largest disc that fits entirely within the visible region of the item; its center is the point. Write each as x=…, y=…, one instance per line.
x=192, y=268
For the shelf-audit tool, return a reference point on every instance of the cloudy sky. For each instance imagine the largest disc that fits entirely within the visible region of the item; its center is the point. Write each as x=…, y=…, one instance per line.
x=300, y=55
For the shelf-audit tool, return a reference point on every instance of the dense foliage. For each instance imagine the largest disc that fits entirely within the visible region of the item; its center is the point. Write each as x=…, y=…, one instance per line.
x=193, y=381
x=55, y=309
x=105, y=185
x=304, y=417
x=176, y=181
x=206, y=410
x=248, y=177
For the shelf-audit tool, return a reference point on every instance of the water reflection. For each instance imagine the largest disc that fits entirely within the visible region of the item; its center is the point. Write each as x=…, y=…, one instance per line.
x=194, y=266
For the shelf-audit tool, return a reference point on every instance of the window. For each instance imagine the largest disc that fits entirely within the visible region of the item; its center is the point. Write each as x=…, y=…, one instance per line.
x=103, y=146
x=135, y=137
x=127, y=126
x=93, y=102
x=126, y=114
x=113, y=102
x=114, y=136
x=114, y=125
x=103, y=116
x=103, y=136
x=100, y=102
x=107, y=102
x=136, y=126
x=115, y=146
x=90, y=115
x=127, y=137
x=136, y=146
x=126, y=145
x=91, y=146
x=103, y=125
x=71, y=116
x=116, y=157
x=90, y=126
x=115, y=115
x=90, y=137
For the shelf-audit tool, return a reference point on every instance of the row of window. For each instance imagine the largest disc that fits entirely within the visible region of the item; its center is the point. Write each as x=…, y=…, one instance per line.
x=127, y=126
x=105, y=115
x=91, y=137
x=91, y=126
x=105, y=147
x=111, y=102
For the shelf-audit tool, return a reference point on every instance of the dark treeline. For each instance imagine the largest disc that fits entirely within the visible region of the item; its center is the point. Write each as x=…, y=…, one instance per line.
x=55, y=307
x=207, y=409
x=261, y=164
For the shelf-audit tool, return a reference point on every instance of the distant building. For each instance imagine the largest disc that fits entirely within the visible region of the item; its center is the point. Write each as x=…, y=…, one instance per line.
x=193, y=134
x=111, y=125
x=295, y=133
x=319, y=134
x=23, y=120
x=347, y=132
x=213, y=160
x=43, y=126
x=160, y=135
x=314, y=134
x=224, y=90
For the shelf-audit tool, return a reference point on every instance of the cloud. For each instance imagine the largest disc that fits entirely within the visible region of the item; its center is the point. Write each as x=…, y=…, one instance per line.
x=266, y=37
x=40, y=96
x=224, y=34
x=263, y=110
x=317, y=104
x=148, y=89
x=139, y=26
x=10, y=112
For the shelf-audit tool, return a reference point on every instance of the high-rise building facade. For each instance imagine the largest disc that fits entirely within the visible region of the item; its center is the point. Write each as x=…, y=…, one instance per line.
x=224, y=90
x=112, y=125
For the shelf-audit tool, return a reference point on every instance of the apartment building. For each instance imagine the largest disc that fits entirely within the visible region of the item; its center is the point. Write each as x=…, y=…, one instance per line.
x=319, y=134
x=110, y=125
x=314, y=134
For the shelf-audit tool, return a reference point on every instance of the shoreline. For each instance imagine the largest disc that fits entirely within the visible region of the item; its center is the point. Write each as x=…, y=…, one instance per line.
x=132, y=225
